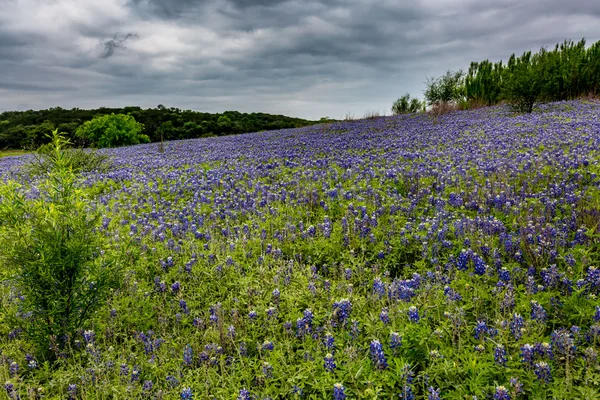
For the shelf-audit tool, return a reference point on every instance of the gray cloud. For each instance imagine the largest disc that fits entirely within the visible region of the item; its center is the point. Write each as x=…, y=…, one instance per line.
x=109, y=46
x=305, y=58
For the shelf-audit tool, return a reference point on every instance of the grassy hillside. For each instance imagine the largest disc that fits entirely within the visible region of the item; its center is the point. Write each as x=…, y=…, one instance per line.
x=454, y=258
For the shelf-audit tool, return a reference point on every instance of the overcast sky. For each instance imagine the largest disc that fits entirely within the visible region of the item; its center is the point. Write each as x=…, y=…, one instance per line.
x=305, y=58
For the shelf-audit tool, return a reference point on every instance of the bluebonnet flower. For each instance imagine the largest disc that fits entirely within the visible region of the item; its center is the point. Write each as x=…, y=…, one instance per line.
x=433, y=393
x=244, y=395
x=384, y=317
x=377, y=355
x=504, y=275
x=395, y=340
x=537, y=312
x=252, y=315
x=186, y=394
x=597, y=314
x=378, y=288
x=172, y=381
x=31, y=361
x=231, y=332
x=500, y=355
x=188, y=355
x=89, y=336
x=11, y=391
x=516, y=326
x=147, y=386
x=72, y=391
x=329, y=362
x=527, y=354
x=341, y=312
x=462, y=260
x=479, y=264
x=480, y=330
x=339, y=392
x=329, y=341
x=267, y=370
x=562, y=342
x=516, y=385
x=184, y=307
x=13, y=368
x=501, y=393
x=413, y=314
x=176, y=287
x=543, y=372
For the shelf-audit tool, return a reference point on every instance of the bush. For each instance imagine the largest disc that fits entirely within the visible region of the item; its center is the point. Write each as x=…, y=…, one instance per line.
x=406, y=105
x=78, y=160
x=446, y=89
x=522, y=86
x=112, y=131
x=50, y=247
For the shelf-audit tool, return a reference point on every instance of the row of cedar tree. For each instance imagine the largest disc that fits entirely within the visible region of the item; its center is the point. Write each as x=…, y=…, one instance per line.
x=29, y=129
x=568, y=71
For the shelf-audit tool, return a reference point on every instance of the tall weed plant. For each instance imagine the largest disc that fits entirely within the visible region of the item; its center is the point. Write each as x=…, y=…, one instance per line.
x=50, y=254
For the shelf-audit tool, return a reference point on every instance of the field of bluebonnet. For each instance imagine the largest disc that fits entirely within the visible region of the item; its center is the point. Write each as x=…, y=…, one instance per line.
x=404, y=257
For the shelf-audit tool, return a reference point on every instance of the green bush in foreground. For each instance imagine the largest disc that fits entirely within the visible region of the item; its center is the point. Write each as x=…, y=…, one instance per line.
x=49, y=249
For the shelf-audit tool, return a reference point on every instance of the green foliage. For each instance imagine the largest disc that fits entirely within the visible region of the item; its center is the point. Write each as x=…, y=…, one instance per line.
x=445, y=89
x=50, y=250
x=78, y=160
x=28, y=129
x=406, y=105
x=523, y=82
x=567, y=72
x=112, y=131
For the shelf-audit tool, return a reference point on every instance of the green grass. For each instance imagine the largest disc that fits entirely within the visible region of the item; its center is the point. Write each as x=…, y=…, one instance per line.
x=13, y=152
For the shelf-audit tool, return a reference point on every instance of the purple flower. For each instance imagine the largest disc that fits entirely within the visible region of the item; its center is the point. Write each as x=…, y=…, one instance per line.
x=329, y=363
x=433, y=393
x=384, y=317
x=501, y=393
x=377, y=355
x=176, y=287
x=186, y=394
x=500, y=355
x=188, y=355
x=244, y=395
x=329, y=341
x=413, y=314
x=537, y=312
x=543, y=372
x=339, y=392
x=341, y=312
x=395, y=340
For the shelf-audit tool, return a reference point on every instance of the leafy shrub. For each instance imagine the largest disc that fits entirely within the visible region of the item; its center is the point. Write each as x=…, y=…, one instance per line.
x=78, y=160
x=445, y=89
x=51, y=247
x=522, y=86
x=406, y=105
x=112, y=131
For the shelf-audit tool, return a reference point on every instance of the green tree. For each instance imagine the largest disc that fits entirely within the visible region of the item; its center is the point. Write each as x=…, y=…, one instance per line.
x=445, y=89
x=523, y=81
x=406, y=104
x=112, y=130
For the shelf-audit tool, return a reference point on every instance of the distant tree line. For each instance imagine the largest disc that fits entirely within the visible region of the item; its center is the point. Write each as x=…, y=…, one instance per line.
x=31, y=129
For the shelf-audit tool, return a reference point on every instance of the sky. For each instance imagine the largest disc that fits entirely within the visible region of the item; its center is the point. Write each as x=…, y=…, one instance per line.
x=302, y=58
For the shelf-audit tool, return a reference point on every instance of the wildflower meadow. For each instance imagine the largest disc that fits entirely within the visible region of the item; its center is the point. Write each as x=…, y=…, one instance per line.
x=404, y=257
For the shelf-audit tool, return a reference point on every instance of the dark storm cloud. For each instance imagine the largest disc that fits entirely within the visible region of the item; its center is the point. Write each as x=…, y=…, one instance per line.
x=109, y=46
x=300, y=57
